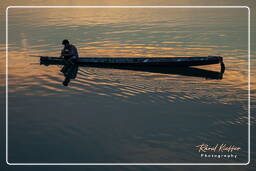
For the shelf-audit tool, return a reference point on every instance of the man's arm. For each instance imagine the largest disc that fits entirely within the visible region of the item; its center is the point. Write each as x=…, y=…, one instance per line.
x=62, y=53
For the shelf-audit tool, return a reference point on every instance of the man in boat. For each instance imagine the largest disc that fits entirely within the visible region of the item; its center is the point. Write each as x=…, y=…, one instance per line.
x=70, y=55
x=69, y=52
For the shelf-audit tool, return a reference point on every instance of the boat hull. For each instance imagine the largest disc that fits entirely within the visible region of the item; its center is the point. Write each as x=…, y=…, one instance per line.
x=136, y=62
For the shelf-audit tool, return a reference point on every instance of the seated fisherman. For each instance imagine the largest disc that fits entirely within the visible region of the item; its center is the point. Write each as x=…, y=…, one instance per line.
x=69, y=52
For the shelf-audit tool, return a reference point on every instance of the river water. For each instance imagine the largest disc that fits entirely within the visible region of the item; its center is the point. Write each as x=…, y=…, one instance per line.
x=125, y=116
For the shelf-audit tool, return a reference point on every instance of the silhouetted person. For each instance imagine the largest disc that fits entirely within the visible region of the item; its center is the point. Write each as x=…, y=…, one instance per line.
x=69, y=51
x=70, y=55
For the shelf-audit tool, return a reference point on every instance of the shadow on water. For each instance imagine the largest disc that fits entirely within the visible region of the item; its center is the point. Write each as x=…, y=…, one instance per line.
x=185, y=71
x=70, y=71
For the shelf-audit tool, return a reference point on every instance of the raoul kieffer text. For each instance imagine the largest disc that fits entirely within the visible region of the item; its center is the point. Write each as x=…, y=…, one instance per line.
x=217, y=148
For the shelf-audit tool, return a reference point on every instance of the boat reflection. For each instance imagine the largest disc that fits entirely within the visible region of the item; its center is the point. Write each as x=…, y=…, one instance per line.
x=70, y=71
x=185, y=71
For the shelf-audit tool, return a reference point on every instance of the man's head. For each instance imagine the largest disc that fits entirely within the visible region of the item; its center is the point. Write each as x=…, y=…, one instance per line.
x=65, y=42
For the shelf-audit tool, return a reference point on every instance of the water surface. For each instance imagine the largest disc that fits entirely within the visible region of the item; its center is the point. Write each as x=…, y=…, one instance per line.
x=112, y=115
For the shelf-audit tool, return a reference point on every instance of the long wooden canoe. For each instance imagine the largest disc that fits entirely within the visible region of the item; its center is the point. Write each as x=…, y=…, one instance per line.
x=135, y=62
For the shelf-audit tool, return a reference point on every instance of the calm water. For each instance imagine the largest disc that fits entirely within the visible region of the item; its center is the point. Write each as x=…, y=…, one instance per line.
x=110, y=115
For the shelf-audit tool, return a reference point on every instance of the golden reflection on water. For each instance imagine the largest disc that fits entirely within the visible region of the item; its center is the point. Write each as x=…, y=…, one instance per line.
x=88, y=16
x=125, y=33
x=36, y=79
x=23, y=66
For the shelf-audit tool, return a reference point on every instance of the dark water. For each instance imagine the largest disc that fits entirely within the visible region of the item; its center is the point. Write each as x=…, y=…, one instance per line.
x=126, y=116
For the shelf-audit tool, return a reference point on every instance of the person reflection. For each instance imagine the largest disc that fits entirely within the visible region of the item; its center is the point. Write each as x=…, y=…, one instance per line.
x=70, y=71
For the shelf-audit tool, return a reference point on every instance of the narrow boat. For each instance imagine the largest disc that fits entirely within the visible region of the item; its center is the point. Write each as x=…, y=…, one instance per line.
x=137, y=62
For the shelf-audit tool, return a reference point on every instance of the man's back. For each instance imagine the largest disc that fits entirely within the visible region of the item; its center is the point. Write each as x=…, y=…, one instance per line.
x=74, y=51
x=70, y=51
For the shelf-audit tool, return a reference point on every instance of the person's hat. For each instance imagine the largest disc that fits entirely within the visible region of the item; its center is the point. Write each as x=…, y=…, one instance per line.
x=65, y=41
